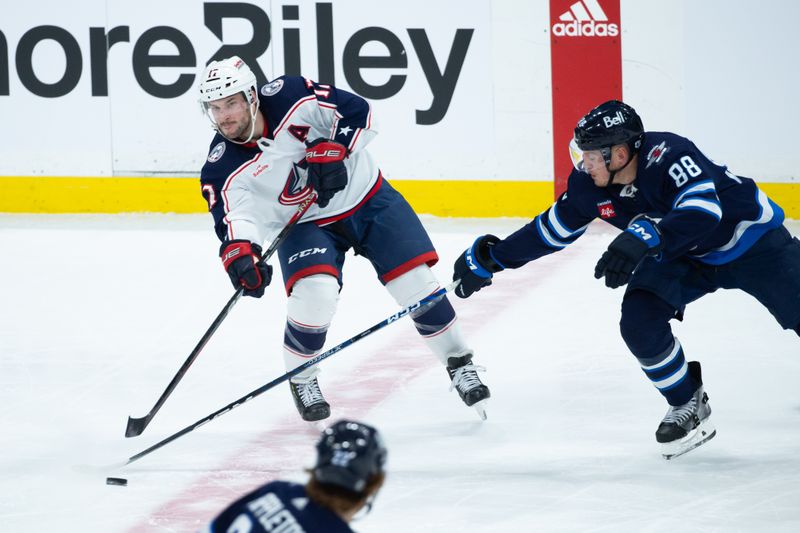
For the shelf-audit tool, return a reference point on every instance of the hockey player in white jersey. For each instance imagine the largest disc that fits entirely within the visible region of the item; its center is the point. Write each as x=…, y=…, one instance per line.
x=273, y=148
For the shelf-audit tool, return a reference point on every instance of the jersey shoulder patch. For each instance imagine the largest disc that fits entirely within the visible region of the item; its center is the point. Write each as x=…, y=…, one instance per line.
x=223, y=158
x=216, y=152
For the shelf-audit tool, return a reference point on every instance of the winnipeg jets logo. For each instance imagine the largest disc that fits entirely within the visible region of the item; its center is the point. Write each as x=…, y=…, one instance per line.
x=656, y=153
x=628, y=191
x=296, y=190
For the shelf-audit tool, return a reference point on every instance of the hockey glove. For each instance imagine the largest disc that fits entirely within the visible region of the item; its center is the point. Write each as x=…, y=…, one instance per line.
x=326, y=172
x=640, y=239
x=242, y=262
x=476, y=266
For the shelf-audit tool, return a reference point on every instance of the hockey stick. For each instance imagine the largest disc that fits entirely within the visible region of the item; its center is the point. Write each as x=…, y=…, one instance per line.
x=137, y=425
x=311, y=362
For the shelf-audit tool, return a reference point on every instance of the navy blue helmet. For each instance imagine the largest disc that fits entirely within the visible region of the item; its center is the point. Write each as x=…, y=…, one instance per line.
x=609, y=124
x=349, y=454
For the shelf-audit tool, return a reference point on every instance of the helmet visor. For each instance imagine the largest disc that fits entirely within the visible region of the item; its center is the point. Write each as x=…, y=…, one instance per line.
x=576, y=155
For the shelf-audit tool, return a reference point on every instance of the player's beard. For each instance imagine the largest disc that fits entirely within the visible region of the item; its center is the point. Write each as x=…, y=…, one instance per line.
x=242, y=132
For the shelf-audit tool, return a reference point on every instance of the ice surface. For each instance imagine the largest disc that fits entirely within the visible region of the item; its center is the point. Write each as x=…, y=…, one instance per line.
x=98, y=312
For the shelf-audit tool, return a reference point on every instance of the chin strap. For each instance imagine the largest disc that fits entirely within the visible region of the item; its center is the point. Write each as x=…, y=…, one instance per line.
x=613, y=173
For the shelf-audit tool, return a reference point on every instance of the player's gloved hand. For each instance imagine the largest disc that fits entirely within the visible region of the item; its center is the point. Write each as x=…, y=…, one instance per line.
x=476, y=266
x=326, y=172
x=640, y=239
x=242, y=262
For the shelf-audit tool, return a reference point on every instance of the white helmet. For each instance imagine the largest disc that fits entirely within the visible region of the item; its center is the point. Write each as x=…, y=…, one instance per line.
x=224, y=78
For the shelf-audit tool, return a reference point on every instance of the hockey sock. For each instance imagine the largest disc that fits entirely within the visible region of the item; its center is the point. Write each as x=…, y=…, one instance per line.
x=436, y=322
x=310, y=309
x=670, y=374
x=645, y=328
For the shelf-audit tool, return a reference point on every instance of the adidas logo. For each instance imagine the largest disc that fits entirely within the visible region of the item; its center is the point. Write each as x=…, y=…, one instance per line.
x=585, y=18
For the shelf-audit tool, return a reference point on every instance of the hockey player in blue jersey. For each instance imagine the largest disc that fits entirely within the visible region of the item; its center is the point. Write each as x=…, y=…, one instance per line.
x=689, y=227
x=345, y=480
x=272, y=149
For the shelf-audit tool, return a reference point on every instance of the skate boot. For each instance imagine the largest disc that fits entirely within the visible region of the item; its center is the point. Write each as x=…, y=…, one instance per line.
x=464, y=378
x=687, y=426
x=309, y=400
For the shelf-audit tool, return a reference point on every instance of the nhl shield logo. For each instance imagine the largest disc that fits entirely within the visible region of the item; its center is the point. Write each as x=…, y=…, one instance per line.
x=216, y=152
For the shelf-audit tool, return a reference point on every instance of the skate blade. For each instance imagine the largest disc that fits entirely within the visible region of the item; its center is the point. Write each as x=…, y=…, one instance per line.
x=480, y=408
x=697, y=437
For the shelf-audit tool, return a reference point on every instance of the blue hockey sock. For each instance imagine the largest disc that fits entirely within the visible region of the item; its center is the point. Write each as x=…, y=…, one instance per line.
x=302, y=339
x=670, y=374
x=434, y=318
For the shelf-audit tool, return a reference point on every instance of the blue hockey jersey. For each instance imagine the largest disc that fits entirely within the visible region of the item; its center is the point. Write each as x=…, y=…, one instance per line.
x=279, y=506
x=706, y=212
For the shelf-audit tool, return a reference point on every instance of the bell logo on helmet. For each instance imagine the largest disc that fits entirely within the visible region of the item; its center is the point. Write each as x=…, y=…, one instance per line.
x=616, y=120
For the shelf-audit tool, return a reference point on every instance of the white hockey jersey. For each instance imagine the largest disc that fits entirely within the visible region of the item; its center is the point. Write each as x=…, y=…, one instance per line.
x=253, y=189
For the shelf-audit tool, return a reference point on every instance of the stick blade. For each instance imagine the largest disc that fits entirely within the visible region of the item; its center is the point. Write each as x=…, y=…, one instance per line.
x=136, y=426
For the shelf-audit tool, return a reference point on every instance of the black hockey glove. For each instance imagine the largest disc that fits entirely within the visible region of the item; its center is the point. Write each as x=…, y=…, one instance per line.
x=476, y=266
x=640, y=239
x=242, y=262
x=326, y=172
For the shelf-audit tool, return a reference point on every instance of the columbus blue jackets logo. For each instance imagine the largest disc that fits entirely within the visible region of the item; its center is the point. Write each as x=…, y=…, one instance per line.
x=216, y=152
x=656, y=153
x=272, y=88
x=296, y=190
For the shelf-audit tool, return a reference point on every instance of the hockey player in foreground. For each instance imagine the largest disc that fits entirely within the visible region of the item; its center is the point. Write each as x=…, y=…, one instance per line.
x=689, y=227
x=275, y=147
x=346, y=478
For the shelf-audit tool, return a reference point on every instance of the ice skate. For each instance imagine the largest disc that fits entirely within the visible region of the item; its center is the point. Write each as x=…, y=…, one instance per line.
x=464, y=378
x=309, y=400
x=687, y=426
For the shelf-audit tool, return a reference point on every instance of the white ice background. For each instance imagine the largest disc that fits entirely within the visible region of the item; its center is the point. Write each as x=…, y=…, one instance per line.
x=98, y=312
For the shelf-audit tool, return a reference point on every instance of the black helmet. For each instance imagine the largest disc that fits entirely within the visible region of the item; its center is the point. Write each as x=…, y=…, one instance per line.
x=609, y=124
x=349, y=454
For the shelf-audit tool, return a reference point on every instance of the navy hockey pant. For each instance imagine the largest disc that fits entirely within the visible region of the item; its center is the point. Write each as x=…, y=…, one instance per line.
x=658, y=292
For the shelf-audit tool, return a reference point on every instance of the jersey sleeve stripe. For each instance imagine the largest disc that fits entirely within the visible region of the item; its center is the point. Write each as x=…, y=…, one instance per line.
x=702, y=204
x=747, y=232
x=559, y=228
x=546, y=236
x=698, y=188
x=357, y=134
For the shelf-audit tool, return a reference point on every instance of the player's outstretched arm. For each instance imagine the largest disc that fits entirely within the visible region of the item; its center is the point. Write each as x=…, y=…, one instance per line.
x=476, y=266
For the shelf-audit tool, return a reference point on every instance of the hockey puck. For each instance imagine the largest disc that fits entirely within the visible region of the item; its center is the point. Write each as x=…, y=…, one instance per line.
x=121, y=481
